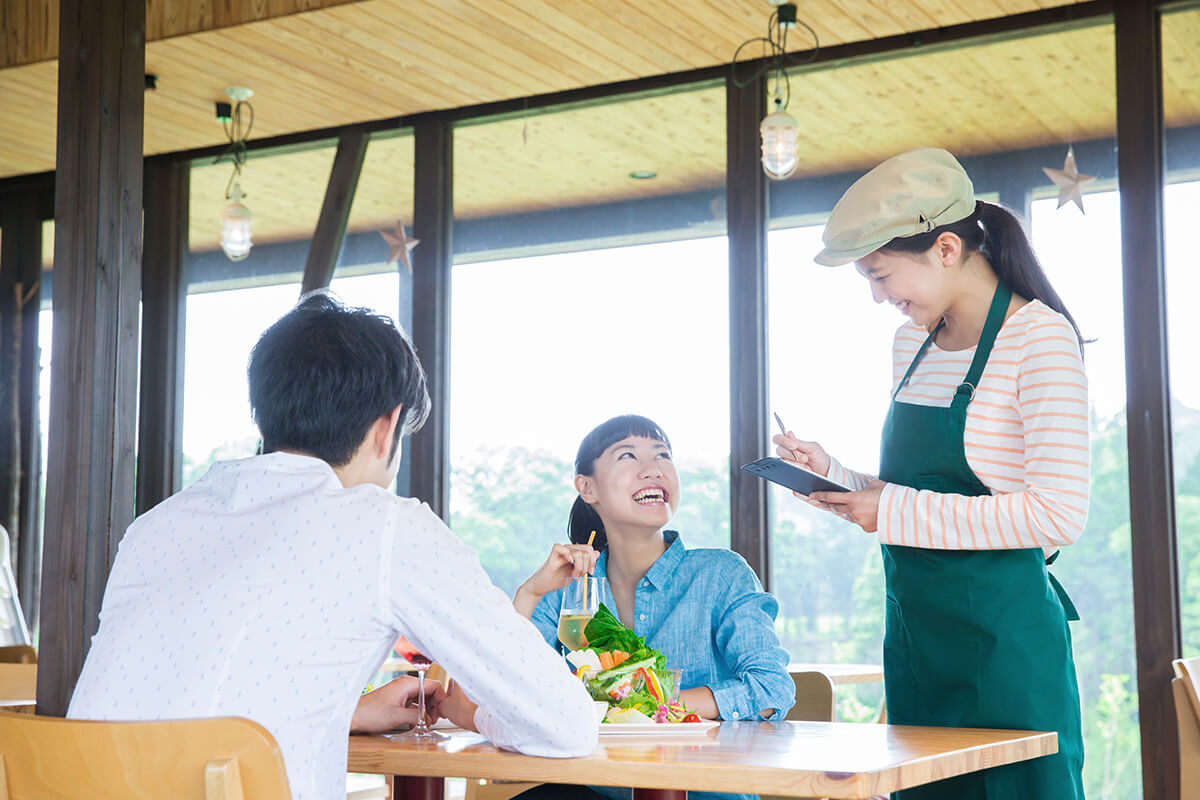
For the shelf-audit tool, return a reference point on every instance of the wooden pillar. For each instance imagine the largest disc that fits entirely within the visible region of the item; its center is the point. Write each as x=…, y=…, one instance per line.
x=746, y=203
x=433, y=222
x=20, y=439
x=326, y=243
x=97, y=281
x=164, y=321
x=1140, y=147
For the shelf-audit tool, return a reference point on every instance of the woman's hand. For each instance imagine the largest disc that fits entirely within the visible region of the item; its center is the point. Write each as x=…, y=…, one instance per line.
x=809, y=455
x=458, y=708
x=566, y=561
x=394, y=705
x=861, y=508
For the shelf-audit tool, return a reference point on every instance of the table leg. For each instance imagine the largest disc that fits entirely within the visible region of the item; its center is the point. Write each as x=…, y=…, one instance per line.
x=409, y=787
x=659, y=794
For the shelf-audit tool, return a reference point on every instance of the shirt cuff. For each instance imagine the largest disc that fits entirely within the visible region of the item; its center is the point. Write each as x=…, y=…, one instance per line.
x=730, y=696
x=489, y=728
x=886, y=529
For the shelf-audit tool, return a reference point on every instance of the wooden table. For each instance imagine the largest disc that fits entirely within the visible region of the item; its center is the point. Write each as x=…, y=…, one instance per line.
x=806, y=759
x=842, y=673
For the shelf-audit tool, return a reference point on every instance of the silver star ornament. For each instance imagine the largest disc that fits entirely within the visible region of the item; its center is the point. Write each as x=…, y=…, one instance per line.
x=1069, y=180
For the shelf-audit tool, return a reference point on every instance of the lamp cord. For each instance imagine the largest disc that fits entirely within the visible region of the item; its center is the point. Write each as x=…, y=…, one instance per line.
x=776, y=42
x=237, y=135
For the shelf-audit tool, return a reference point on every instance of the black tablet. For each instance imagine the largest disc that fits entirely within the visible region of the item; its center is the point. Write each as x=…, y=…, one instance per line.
x=793, y=476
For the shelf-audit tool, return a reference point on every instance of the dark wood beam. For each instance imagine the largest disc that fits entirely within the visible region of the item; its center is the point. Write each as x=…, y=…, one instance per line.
x=433, y=222
x=746, y=208
x=20, y=432
x=335, y=211
x=164, y=318
x=1140, y=145
x=93, y=380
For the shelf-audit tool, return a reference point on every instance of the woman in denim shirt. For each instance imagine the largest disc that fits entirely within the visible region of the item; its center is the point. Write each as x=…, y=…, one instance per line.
x=704, y=609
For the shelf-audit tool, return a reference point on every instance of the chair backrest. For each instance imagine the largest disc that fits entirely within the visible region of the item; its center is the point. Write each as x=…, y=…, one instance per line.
x=814, y=697
x=18, y=654
x=18, y=684
x=12, y=621
x=226, y=758
x=1186, y=690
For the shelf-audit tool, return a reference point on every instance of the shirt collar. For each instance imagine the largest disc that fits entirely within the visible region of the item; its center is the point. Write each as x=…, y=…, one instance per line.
x=660, y=571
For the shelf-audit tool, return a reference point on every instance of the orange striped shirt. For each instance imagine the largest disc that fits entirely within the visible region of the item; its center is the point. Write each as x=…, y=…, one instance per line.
x=1026, y=439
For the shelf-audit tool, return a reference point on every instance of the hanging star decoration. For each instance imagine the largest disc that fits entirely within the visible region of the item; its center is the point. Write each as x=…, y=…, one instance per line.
x=399, y=245
x=1069, y=180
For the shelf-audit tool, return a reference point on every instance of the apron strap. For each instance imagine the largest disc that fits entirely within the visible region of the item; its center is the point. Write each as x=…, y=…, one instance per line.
x=1068, y=607
x=995, y=320
x=917, y=357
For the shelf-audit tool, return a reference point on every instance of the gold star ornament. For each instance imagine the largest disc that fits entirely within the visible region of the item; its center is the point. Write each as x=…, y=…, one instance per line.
x=1069, y=180
x=399, y=245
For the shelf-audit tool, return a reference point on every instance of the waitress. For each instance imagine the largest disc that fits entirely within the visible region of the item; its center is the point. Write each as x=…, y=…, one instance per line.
x=983, y=468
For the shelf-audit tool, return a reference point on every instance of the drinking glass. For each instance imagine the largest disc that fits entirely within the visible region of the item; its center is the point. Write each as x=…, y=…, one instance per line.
x=580, y=600
x=421, y=731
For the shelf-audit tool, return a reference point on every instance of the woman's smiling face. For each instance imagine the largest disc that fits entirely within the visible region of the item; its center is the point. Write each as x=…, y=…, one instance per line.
x=633, y=483
x=918, y=284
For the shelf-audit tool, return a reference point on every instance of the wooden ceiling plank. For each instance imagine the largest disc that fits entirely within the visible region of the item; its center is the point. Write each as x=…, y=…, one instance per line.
x=528, y=71
x=383, y=69
x=284, y=70
x=680, y=34
x=546, y=23
x=608, y=26
x=433, y=48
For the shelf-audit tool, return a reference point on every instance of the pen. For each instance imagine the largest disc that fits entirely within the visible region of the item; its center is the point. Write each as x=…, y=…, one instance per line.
x=783, y=430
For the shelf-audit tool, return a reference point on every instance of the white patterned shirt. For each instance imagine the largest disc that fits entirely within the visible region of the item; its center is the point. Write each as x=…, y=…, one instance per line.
x=268, y=590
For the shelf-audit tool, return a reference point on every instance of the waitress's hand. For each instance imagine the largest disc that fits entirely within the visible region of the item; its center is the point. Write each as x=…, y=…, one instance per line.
x=861, y=508
x=566, y=561
x=809, y=455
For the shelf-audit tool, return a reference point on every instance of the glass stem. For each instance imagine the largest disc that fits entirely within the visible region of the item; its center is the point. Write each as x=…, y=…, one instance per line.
x=421, y=726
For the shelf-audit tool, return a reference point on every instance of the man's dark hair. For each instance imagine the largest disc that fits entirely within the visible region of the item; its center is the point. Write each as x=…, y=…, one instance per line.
x=325, y=372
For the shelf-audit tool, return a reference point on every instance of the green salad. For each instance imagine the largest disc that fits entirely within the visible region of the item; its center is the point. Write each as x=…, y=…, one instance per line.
x=619, y=668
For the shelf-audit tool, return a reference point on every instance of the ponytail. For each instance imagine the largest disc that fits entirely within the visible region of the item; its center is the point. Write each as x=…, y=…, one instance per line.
x=582, y=522
x=997, y=234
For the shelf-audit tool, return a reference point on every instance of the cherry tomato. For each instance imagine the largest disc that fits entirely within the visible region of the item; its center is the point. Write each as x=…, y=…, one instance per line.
x=693, y=718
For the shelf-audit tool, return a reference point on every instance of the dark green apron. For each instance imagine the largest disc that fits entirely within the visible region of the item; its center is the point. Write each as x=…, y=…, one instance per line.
x=974, y=638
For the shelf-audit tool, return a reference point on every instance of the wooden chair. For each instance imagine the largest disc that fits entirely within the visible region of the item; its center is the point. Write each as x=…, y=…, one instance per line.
x=226, y=758
x=1186, y=689
x=18, y=686
x=814, y=697
x=18, y=654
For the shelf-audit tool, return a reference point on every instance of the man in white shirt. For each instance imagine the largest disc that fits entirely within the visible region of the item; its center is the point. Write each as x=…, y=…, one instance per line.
x=274, y=587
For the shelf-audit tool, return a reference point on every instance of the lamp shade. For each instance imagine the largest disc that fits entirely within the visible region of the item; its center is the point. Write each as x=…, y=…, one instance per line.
x=779, y=133
x=235, y=226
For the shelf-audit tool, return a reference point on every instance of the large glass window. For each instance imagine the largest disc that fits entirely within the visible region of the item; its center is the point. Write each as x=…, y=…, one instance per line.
x=590, y=280
x=1015, y=111
x=1181, y=107
x=230, y=304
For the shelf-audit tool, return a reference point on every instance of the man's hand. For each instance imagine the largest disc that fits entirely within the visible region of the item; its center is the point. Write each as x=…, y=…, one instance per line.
x=394, y=705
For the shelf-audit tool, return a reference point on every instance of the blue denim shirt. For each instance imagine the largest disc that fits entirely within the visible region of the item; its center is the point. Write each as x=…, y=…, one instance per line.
x=707, y=613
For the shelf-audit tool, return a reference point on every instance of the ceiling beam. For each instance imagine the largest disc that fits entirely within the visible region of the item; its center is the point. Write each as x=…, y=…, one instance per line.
x=335, y=211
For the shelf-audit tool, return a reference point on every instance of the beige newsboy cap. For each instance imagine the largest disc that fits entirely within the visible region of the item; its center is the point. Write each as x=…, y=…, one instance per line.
x=908, y=194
